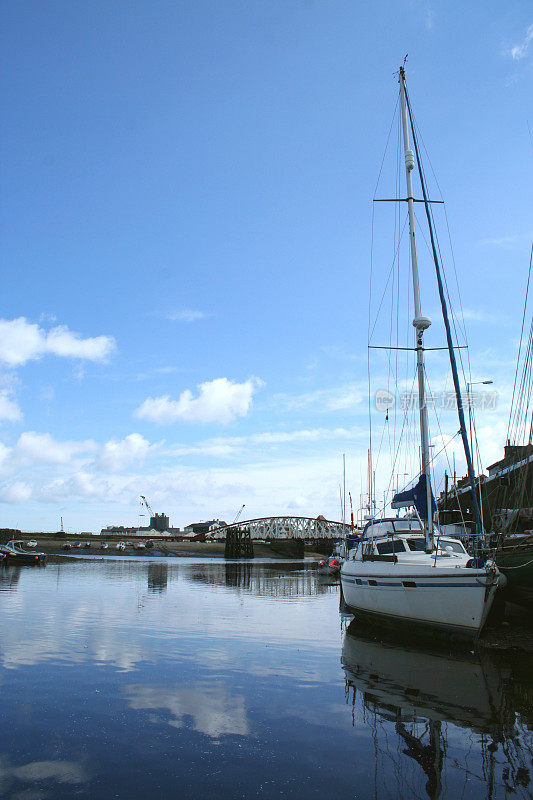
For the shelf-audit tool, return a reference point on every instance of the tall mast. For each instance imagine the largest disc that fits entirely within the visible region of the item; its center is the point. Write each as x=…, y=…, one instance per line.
x=449, y=339
x=420, y=322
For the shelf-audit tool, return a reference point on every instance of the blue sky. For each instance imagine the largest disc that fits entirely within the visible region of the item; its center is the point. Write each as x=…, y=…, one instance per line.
x=186, y=235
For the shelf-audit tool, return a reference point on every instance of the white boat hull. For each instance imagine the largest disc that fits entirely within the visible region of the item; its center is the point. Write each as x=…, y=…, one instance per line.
x=457, y=599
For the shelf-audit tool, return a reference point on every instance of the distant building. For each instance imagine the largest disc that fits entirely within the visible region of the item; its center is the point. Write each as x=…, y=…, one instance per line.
x=204, y=527
x=120, y=530
x=514, y=456
x=160, y=522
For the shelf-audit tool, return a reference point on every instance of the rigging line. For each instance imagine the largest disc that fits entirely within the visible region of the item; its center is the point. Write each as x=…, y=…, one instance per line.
x=388, y=353
x=445, y=450
x=520, y=403
x=368, y=352
x=457, y=347
x=371, y=332
x=525, y=392
x=387, y=143
x=429, y=212
x=397, y=224
x=447, y=228
x=448, y=295
x=479, y=460
x=448, y=333
x=462, y=317
x=521, y=334
x=397, y=453
x=391, y=320
x=526, y=399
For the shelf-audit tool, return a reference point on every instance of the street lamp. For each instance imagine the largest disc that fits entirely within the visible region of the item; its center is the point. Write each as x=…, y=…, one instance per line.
x=470, y=418
x=469, y=398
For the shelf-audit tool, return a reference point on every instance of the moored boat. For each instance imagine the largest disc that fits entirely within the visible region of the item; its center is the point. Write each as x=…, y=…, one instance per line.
x=329, y=566
x=391, y=576
x=403, y=569
x=514, y=558
x=14, y=553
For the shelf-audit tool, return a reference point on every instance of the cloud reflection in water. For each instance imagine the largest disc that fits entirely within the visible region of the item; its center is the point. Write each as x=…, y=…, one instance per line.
x=211, y=707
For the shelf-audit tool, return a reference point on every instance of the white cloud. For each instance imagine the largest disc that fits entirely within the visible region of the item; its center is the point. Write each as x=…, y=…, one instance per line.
x=229, y=446
x=186, y=315
x=41, y=447
x=520, y=50
x=16, y=492
x=507, y=241
x=339, y=398
x=22, y=341
x=220, y=400
x=9, y=409
x=115, y=455
x=4, y=454
x=475, y=315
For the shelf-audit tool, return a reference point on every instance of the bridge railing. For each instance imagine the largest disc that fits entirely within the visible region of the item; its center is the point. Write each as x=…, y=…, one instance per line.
x=287, y=528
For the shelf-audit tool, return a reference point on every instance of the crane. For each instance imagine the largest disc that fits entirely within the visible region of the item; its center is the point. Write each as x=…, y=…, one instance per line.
x=238, y=514
x=144, y=502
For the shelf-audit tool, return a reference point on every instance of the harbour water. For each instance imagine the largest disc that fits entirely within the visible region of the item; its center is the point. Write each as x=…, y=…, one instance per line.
x=199, y=678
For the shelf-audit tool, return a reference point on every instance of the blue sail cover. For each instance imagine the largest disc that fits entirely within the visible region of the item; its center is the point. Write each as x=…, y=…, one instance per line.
x=417, y=497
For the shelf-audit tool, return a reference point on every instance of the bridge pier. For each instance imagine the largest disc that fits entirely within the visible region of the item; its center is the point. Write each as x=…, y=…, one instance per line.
x=238, y=543
x=324, y=546
x=291, y=548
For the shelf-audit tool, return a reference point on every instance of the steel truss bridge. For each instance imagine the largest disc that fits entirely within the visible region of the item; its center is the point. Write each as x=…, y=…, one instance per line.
x=286, y=528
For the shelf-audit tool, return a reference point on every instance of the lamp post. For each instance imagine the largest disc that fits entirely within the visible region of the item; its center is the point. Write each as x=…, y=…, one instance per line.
x=469, y=397
x=470, y=421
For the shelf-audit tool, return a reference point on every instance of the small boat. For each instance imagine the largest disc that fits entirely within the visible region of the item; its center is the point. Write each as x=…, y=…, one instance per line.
x=31, y=543
x=14, y=553
x=329, y=566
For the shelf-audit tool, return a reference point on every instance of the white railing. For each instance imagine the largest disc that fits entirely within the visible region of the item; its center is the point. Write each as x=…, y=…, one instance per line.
x=286, y=528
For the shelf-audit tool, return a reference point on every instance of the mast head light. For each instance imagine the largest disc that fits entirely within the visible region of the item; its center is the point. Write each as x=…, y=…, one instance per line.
x=422, y=323
x=409, y=159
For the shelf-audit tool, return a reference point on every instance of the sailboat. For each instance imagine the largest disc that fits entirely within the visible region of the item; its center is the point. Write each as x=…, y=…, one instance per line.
x=403, y=569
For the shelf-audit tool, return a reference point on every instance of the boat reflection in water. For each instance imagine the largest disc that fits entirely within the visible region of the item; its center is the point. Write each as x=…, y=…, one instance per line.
x=9, y=578
x=283, y=581
x=157, y=577
x=424, y=706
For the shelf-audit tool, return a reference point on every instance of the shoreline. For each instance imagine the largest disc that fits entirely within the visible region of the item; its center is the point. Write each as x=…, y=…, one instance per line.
x=53, y=546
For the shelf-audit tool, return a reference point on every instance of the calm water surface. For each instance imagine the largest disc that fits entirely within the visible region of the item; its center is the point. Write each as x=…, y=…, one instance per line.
x=149, y=679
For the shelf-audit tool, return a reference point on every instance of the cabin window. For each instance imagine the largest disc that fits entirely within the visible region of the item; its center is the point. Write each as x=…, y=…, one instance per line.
x=394, y=546
x=457, y=547
x=418, y=545
x=407, y=525
x=372, y=583
x=359, y=582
